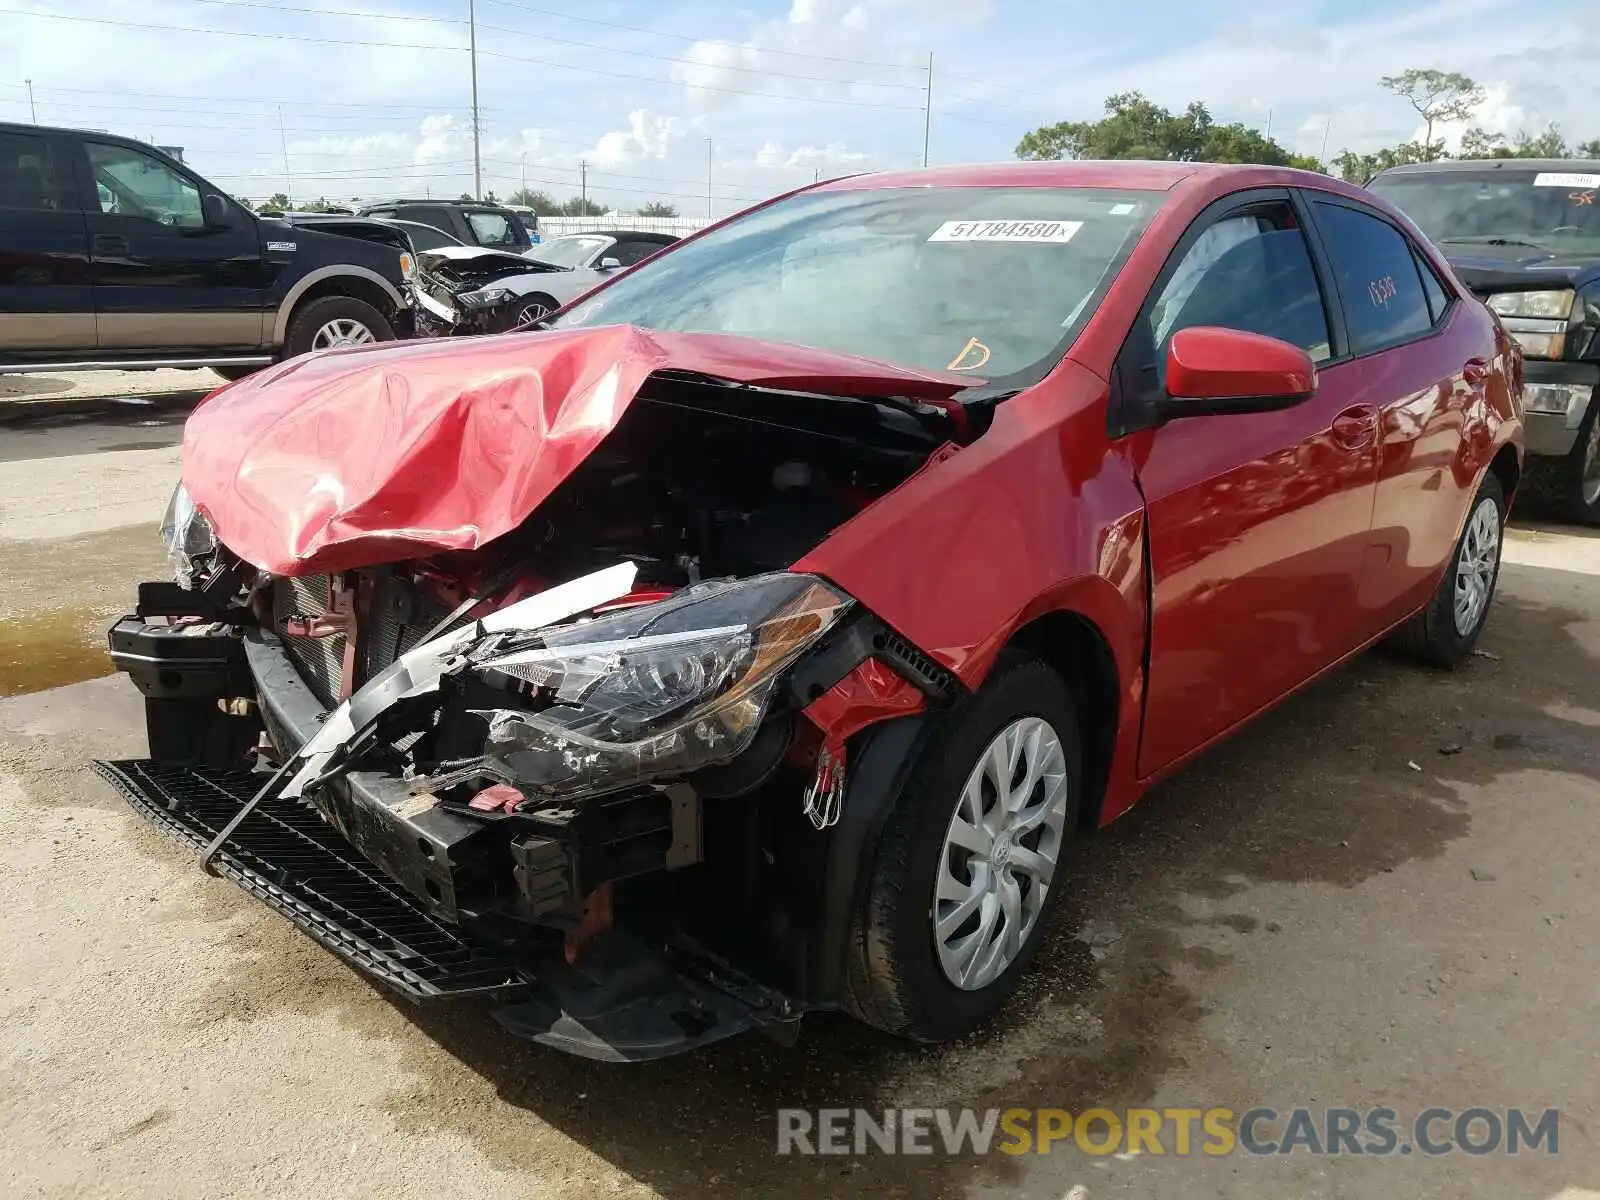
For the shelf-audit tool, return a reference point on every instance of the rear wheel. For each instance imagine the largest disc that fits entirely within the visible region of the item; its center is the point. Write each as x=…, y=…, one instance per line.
x=330, y=322
x=1581, y=472
x=1445, y=632
x=533, y=308
x=969, y=866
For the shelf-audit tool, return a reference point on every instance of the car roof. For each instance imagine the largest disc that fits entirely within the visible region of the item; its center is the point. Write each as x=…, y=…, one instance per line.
x=1585, y=166
x=1130, y=174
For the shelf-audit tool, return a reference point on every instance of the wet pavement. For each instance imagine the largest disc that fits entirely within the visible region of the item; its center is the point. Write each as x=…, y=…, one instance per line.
x=1382, y=894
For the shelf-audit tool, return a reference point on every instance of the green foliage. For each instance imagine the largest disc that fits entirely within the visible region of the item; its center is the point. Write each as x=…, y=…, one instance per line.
x=577, y=206
x=1135, y=127
x=1437, y=96
x=541, y=202
x=658, y=208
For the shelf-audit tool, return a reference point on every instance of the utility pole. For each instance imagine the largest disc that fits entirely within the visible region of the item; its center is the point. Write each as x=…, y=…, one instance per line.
x=1326, y=130
x=1269, y=124
x=583, y=186
x=283, y=137
x=472, y=45
x=524, y=170
x=708, y=178
x=927, y=111
x=32, y=108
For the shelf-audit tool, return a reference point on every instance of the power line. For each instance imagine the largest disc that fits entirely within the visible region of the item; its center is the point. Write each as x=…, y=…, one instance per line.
x=269, y=100
x=543, y=62
x=546, y=37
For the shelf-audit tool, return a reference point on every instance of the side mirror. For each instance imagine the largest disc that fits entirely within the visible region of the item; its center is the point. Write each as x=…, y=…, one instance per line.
x=610, y=264
x=1212, y=371
x=218, y=212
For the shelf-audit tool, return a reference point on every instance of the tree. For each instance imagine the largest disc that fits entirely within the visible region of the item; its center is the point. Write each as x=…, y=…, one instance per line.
x=466, y=197
x=658, y=208
x=1135, y=127
x=1476, y=143
x=277, y=202
x=540, y=202
x=1437, y=96
x=577, y=206
x=1358, y=168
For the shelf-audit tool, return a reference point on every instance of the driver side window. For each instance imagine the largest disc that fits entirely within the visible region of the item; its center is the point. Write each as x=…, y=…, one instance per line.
x=132, y=184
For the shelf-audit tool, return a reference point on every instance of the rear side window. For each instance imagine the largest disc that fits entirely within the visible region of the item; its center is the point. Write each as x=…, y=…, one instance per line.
x=494, y=229
x=1438, y=298
x=27, y=179
x=1377, y=276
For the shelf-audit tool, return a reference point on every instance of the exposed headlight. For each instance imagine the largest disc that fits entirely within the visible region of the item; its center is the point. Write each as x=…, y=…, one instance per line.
x=1566, y=399
x=485, y=297
x=1533, y=304
x=657, y=691
x=187, y=534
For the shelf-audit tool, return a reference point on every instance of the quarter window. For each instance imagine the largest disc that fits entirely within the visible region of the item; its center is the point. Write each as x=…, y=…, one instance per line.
x=27, y=179
x=1249, y=271
x=1377, y=276
x=133, y=184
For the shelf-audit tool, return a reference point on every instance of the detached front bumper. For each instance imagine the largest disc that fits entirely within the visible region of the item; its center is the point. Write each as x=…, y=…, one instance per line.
x=385, y=885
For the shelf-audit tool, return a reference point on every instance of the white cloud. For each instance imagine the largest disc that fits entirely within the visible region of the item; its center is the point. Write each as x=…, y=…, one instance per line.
x=649, y=135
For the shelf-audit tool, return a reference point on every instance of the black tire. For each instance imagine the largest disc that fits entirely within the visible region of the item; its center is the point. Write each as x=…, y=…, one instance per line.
x=234, y=374
x=1432, y=636
x=1579, y=478
x=311, y=316
x=894, y=978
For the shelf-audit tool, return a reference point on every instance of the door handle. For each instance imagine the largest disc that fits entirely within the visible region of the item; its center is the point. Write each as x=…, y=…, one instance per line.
x=1475, y=370
x=110, y=243
x=1356, y=426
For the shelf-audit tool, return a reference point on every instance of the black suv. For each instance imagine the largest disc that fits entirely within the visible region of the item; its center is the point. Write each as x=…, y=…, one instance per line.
x=113, y=254
x=471, y=222
x=1524, y=234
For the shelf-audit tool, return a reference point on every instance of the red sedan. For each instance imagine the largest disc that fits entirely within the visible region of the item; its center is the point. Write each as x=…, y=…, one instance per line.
x=753, y=637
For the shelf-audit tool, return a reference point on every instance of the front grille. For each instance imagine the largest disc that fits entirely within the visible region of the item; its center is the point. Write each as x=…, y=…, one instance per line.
x=287, y=856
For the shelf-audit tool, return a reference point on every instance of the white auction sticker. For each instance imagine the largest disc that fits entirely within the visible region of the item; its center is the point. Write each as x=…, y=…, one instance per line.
x=1006, y=231
x=1566, y=179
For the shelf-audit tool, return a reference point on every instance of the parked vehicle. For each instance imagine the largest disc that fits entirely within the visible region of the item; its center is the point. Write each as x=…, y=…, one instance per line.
x=418, y=236
x=471, y=222
x=487, y=291
x=757, y=639
x=530, y=218
x=1523, y=234
x=112, y=254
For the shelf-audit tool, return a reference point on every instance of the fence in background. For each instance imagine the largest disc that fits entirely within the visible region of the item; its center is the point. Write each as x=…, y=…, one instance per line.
x=553, y=227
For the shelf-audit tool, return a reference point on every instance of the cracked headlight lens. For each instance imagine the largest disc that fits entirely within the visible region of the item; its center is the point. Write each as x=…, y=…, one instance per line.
x=484, y=297
x=187, y=535
x=656, y=691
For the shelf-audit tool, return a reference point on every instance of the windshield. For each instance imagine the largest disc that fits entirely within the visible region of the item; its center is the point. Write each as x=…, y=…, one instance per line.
x=996, y=281
x=568, y=251
x=1552, y=210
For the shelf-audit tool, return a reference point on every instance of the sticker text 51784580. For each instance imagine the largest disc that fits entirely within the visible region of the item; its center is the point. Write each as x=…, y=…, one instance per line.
x=1006, y=231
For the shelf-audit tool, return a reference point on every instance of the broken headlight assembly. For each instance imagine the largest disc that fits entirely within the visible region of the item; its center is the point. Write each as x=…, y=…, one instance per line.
x=658, y=691
x=483, y=298
x=187, y=534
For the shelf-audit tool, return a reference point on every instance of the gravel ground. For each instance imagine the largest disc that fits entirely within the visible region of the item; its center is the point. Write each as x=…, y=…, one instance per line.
x=1381, y=894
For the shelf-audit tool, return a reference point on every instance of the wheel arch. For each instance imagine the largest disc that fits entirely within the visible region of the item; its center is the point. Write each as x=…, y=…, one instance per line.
x=357, y=283
x=1507, y=468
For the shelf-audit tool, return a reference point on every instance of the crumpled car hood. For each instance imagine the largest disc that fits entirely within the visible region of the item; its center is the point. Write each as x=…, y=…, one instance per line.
x=371, y=455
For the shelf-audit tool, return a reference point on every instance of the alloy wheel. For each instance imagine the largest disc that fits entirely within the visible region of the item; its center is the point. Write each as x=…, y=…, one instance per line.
x=341, y=332
x=1476, y=563
x=533, y=310
x=1000, y=853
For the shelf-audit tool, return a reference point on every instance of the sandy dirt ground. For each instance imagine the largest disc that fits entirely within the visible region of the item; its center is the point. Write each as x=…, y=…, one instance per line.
x=1383, y=894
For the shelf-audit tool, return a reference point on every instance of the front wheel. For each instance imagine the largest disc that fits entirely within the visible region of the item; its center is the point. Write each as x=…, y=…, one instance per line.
x=1581, y=471
x=1445, y=632
x=330, y=322
x=533, y=308
x=969, y=866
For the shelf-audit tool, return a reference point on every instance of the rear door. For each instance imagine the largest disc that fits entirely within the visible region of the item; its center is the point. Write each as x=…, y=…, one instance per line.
x=1424, y=364
x=1258, y=522
x=165, y=278
x=46, y=296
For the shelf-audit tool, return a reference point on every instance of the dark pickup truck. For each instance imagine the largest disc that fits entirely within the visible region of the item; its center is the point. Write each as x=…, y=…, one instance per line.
x=115, y=255
x=1524, y=235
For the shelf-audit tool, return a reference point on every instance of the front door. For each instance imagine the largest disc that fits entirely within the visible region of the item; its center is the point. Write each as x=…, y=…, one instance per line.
x=164, y=277
x=46, y=301
x=1257, y=522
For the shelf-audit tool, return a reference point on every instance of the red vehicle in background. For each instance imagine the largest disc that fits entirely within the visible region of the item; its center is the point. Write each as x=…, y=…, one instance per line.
x=755, y=638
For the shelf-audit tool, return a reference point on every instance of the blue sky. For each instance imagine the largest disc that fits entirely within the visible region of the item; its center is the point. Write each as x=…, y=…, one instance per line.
x=374, y=95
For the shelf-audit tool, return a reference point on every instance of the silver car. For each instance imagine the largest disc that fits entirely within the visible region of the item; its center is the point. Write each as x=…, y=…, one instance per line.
x=470, y=289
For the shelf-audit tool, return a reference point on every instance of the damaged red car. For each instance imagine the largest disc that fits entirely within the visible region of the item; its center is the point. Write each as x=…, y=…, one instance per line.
x=755, y=637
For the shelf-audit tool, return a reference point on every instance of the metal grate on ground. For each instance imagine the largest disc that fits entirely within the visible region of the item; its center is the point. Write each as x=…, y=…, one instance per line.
x=288, y=857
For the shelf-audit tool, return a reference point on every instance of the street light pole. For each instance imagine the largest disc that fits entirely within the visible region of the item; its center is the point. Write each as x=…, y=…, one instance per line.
x=472, y=45
x=708, y=178
x=32, y=108
x=927, y=111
